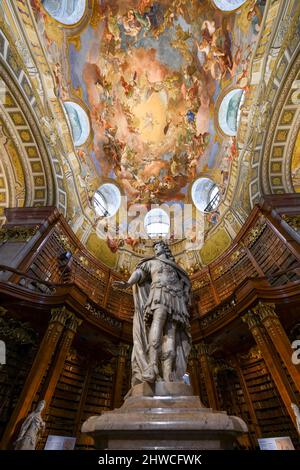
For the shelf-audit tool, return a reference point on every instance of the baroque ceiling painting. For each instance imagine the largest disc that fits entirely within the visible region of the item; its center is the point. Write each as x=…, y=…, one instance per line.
x=153, y=91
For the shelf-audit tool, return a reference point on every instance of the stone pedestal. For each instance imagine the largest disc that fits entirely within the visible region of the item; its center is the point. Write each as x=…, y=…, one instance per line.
x=164, y=415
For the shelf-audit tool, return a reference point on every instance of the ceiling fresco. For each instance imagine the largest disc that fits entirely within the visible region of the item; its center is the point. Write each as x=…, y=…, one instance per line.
x=153, y=79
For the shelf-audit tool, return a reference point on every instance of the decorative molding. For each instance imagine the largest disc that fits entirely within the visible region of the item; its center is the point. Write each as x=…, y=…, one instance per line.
x=17, y=233
x=103, y=316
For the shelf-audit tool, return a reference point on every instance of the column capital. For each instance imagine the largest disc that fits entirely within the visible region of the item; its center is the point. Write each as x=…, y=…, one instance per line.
x=202, y=348
x=194, y=352
x=60, y=315
x=123, y=349
x=264, y=310
x=251, y=319
x=73, y=322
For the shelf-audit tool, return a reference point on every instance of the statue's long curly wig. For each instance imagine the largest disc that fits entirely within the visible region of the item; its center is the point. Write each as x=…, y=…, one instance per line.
x=167, y=250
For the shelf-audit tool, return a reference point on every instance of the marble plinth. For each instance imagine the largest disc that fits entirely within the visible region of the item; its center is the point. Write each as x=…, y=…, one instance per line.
x=164, y=415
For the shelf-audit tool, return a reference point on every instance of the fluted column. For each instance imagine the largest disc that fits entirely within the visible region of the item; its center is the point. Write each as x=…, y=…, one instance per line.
x=272, y=362
x=58, y=319
x=119, y=375
x=194, y=371
x=59, y=360
x=208, y=377
x=271, y=322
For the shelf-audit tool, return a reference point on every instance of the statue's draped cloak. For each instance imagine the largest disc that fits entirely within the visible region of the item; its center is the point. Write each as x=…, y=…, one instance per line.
x=139, y=357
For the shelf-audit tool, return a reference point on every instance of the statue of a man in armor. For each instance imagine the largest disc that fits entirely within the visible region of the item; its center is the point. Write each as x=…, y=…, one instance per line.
x=161, y=329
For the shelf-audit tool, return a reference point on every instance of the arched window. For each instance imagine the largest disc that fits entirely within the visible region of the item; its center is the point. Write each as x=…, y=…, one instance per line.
x=107, y=200
x=67, y=12
x=157, y=223
x=229, y=114
x=205, y=194
x=79, y=122
x=228, y=5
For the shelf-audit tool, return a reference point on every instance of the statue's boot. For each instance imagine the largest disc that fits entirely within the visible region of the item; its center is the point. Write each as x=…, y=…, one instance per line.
x=151, y=373
x=168, y=366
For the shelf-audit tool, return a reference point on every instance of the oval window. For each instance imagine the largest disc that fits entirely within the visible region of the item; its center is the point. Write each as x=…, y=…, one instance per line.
x=107, y=200
x=205, y=194
x=157, y=223
x=68, y=12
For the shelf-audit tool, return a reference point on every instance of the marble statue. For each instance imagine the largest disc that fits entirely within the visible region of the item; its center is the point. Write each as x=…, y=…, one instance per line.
x=30, y=429
x=161, y=329
x=296, y=410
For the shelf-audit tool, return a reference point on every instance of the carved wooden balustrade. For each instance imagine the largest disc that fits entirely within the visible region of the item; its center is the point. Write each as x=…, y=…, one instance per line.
x=57, y=258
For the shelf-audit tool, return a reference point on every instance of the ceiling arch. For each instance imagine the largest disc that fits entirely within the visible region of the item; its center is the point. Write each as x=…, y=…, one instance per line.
x=24, y=137
x=275, y=156
x=151, y=75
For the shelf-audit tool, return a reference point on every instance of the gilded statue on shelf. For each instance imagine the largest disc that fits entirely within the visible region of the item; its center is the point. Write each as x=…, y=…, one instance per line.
x=30, y=429
x=161, y=328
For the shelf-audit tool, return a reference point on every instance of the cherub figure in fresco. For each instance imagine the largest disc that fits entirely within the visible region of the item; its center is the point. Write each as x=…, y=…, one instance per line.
x=133, y=242
x=255, y=15
x=128, y=88
x=112, y=25
x=192, y=167
x=231, y=150
x=61, y=91
x=133, y=23
x=113, y=243
x=208, y=29
x=242, y=78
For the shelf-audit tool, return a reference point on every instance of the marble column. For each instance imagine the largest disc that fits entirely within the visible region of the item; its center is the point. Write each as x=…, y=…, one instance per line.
x=59, y=360
x=271, y=322
x=272, y=361
x=204, y=360
x=47, y=347
x=120, y=374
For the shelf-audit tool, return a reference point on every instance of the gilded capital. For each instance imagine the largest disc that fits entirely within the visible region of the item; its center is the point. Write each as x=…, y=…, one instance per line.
x=73, y=322
x=59, y=315
x=194, y=352
x=251, y=319
x=202, y=348
x=123, y=350
x=265, y=310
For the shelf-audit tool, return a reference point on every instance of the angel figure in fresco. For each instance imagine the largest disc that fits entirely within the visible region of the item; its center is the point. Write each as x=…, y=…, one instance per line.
x=133, y=23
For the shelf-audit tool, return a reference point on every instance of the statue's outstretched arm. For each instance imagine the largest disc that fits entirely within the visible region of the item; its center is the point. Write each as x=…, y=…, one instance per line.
x=135, y=277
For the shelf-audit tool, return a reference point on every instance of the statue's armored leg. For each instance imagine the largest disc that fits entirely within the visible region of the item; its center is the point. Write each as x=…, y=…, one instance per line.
x=168, y=351
x=155, y=339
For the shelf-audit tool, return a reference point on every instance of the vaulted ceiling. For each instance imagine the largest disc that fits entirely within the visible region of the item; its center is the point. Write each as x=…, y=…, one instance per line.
x=157, y=103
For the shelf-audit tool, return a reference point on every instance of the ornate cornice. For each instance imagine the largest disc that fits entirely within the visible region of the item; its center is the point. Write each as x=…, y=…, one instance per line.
x=17, y=233
x=103, y=316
